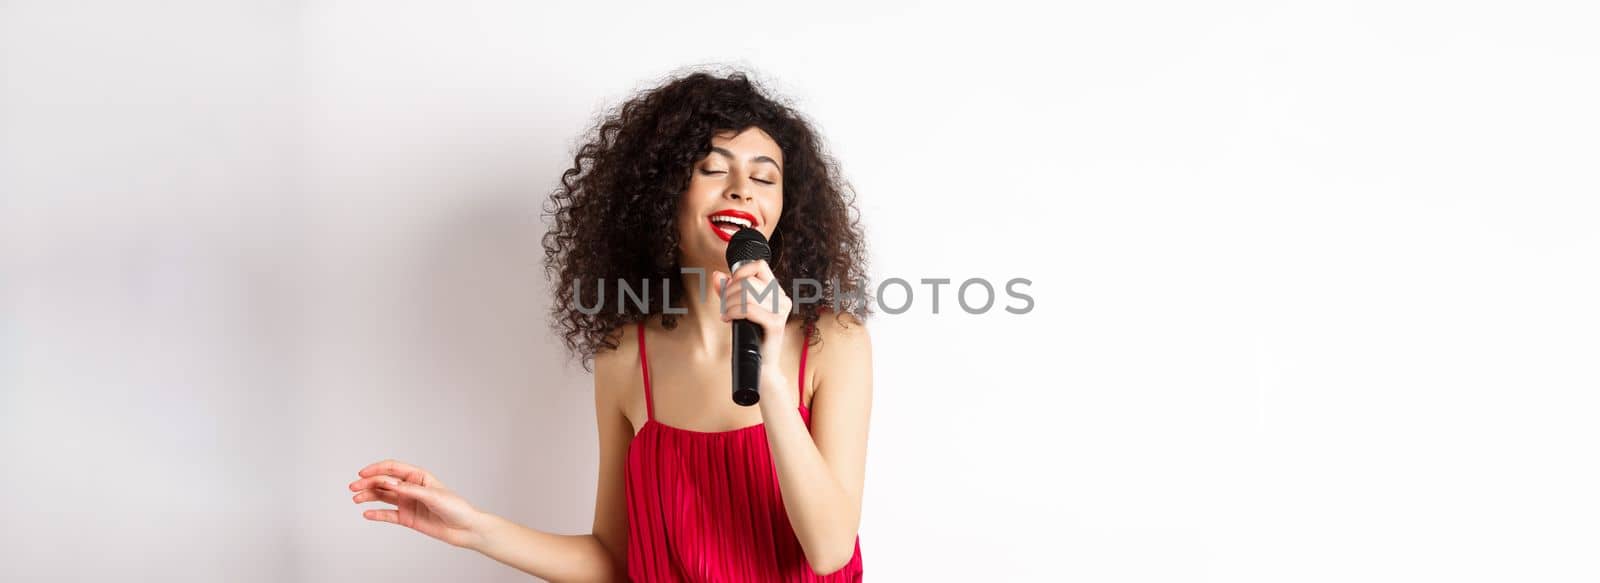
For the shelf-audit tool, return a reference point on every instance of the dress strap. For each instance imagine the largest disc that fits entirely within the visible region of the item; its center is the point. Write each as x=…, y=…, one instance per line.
x=644, y=366
x=805, y=347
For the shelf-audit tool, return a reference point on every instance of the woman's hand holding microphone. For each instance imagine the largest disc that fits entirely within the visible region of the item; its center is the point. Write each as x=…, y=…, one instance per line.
x=751, y=293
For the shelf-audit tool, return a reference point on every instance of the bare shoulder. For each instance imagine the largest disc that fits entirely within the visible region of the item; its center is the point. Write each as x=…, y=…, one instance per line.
x=843, y=332
x=843, y=345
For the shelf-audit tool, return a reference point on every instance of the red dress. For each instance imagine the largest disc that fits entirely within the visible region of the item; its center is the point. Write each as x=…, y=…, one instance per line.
x=705, y=506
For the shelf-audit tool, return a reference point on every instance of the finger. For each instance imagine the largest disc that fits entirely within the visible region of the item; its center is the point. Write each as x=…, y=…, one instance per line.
x=758, y=312
x=400, y=470
x=372, y=482
x=391, y=467
x=768, y=295
x=376, y=495
x=751, y=286
x=752, y=269
x=764, y=271
x=737, y=304
x=412, y=491
x=382, y=515
x=730, y=295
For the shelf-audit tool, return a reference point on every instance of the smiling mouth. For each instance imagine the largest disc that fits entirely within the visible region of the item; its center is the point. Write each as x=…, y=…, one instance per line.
x=725, y=225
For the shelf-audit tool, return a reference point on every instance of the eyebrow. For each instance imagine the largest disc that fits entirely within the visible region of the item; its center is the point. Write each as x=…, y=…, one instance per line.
x=763, y=158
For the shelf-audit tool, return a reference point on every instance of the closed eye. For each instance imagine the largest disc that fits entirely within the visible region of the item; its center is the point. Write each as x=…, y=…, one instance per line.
x=716, y=172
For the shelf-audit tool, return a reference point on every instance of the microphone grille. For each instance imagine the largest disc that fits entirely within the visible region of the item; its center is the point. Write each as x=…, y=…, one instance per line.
x=748, y=245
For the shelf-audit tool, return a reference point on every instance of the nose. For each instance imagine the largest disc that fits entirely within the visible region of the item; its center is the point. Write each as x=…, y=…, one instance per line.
x=741, y=188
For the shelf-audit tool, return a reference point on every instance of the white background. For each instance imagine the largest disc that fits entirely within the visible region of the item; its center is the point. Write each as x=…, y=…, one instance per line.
x=1315, y=285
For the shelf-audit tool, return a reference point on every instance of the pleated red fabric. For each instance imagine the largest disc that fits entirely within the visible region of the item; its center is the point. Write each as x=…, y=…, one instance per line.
x=705, y=506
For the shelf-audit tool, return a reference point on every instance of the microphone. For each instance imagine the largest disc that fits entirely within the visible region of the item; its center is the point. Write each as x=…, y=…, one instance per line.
x=746, y=245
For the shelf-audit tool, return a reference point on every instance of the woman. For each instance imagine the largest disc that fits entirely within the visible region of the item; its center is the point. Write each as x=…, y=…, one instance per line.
x=689, y=484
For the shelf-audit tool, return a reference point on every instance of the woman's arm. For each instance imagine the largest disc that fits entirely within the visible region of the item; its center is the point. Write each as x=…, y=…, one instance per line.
x=554, y=557
x=426, y=505
x=821, y=472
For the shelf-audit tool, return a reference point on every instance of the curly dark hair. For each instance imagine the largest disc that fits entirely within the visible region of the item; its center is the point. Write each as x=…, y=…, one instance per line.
x=615, y=211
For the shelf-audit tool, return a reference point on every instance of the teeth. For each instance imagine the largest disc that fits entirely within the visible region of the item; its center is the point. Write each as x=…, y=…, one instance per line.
x=733, y=220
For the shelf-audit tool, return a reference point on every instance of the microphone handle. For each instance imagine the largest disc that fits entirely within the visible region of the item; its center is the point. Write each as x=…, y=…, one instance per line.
x=746, y=362
x=746, y=359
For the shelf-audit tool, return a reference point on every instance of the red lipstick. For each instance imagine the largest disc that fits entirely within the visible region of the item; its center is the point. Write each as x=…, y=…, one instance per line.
x=728, y=221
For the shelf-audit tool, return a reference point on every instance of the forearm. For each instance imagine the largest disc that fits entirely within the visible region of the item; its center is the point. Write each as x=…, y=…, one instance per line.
x=824, y=516
x=554, y=557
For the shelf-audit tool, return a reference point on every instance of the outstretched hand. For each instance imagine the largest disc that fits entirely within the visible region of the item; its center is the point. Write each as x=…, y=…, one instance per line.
x=421, y=503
